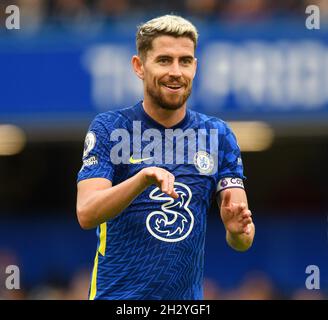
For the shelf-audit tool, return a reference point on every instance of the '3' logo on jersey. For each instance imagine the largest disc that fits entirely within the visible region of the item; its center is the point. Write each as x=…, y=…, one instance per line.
x=174, y=221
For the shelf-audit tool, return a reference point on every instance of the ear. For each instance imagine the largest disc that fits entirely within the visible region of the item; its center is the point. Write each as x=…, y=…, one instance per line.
x=137, y=66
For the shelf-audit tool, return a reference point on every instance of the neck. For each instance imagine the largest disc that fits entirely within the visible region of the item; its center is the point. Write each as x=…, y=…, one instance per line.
x=167, y=118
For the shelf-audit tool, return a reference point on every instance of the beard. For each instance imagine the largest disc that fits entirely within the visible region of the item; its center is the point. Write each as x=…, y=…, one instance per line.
x=165, y=102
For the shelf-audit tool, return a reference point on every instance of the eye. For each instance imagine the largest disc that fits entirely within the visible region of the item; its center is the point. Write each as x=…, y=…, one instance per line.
x=163, y=60
x=186, y=61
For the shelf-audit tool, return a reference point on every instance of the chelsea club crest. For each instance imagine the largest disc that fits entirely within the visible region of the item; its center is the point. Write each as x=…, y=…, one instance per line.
x=203, y=162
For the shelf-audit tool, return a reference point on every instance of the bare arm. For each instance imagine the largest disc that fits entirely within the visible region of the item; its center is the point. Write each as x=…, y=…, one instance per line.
x=98, y=201
x=236, y=217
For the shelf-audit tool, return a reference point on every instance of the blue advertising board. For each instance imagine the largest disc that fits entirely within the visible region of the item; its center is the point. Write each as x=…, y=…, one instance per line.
x=244, y=72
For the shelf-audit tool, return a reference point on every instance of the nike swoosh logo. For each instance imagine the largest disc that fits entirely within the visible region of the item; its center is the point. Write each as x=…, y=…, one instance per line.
x=134, y=161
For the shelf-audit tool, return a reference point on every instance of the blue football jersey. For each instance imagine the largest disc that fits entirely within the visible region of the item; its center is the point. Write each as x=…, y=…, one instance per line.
x=154, y=249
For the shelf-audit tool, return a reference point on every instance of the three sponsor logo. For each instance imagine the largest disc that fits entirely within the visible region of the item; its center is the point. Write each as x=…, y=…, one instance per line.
x=174, y=221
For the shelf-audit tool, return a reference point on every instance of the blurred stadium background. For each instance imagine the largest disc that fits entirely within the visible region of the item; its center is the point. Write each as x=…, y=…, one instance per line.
x=259, y=68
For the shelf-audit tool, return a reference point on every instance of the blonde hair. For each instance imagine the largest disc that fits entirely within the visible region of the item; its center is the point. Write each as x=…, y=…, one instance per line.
x=171, y=25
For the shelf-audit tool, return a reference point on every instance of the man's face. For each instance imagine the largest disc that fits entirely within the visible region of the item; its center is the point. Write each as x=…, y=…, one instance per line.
x=169, y=69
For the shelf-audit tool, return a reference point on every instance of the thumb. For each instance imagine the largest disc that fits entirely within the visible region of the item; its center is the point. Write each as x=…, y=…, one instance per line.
x=226, y=198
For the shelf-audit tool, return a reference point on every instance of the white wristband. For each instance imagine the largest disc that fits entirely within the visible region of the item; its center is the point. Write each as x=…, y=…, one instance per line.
x=226, y=183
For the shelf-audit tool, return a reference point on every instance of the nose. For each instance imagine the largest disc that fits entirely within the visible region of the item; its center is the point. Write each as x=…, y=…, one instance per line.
x=175, y=70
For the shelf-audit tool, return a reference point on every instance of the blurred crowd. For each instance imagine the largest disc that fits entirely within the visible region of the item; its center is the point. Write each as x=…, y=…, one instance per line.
x=256, y=285
x=36, y=13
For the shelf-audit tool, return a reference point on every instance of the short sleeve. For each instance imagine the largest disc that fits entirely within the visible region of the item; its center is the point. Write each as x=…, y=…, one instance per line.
x=231, y=171
x=96, y=153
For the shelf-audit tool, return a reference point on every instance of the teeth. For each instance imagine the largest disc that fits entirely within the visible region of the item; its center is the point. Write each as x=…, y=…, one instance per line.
x=173, y=87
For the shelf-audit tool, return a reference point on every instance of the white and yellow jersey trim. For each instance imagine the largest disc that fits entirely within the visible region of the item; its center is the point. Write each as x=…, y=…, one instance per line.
x=101, y=250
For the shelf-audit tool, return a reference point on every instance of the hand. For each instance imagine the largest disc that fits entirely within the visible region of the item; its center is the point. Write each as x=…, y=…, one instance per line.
x=162, y=178
x=235, y=216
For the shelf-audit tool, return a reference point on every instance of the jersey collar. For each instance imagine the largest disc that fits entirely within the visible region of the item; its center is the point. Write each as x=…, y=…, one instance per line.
x=150, y=122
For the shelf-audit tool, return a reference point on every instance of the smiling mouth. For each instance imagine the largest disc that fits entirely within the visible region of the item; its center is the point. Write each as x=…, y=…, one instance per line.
x=173, y=87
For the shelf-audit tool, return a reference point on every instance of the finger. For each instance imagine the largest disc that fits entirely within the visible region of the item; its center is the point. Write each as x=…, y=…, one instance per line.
x=243, y=215
x=242, y=218
x=171, y=191
x=173, y=194
x=242, y=206
x=158, y=179
x=247, y=218
x=246, y=221
x=226, y=198
x=164, y=184
x=246, y=214
x=169, y=184
x=248, y=229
